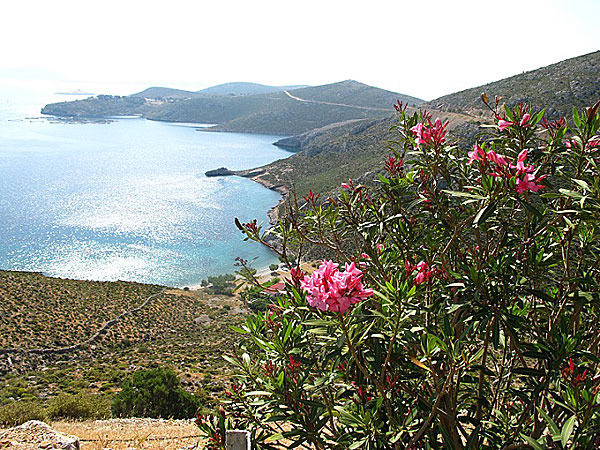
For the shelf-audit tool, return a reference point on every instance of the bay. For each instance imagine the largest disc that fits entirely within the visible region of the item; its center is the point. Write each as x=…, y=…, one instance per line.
x=127, y=200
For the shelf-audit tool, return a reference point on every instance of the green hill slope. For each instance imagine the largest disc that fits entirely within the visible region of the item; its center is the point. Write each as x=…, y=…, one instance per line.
x=352, y=92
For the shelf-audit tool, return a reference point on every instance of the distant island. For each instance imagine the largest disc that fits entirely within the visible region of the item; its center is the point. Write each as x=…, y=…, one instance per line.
x=75, y=92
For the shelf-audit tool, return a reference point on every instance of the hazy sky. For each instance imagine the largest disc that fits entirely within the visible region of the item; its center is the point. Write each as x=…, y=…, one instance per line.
x=422, y=48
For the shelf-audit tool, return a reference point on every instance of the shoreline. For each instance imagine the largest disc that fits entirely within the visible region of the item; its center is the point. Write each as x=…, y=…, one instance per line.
x=256, y=175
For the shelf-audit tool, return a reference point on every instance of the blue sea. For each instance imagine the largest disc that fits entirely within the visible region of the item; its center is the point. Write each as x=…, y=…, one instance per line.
x=127, y=200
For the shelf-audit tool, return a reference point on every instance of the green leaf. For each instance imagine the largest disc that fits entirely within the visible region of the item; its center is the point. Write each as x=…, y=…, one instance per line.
x=484, y=214
x=509, y=113
x=358, y=444
x=239, y=330
x=246, y=358
x=274, y=437
x=464, y=194
x=539, y=116
x=551, y=425
x=582, y=183
x=528, y=206
x=576, y=118
x=257, y=393
x=539, y=294
x=535, y=444
x=567, y=430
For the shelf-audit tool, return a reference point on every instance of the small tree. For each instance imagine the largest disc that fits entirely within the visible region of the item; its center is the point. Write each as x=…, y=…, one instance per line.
x=154, y=393
x=467, y=314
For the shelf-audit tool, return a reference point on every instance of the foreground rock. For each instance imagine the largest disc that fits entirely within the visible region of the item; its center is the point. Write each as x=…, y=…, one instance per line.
x=35, y=434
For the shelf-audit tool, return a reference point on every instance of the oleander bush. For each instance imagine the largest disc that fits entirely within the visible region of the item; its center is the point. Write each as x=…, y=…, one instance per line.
x=466, y=313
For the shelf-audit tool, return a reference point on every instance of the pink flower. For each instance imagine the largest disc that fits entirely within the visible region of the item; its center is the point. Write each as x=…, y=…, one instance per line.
x=408, y=267
x=422, y=134
x=379, y=247
x=496, y=158
x=420, y=278
x=433, y=134
x=528, y=183
x=328, y=289
x=592, y=145
x=525, y=119
x=503, y=124
x=476, y=155
x=393, y=166
x=521, y=169
x=422, y=266
x=345, y=186
x=423, y=275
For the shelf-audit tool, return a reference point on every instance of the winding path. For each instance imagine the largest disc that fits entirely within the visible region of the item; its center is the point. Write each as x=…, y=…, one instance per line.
x=370, y=108
x=106, y=326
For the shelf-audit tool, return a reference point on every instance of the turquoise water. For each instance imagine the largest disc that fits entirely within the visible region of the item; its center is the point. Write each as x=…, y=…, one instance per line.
x=126, y=200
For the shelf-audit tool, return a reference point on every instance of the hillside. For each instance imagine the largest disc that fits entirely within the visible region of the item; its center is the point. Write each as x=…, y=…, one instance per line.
x=244, y=88
x=280, y=113
x=350, y=92
x=559, y=87
x=352, y=149
x=186, y=330
x=330, y=155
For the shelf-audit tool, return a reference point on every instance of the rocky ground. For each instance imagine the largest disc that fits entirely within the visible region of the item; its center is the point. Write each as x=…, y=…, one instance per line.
x=115, y=434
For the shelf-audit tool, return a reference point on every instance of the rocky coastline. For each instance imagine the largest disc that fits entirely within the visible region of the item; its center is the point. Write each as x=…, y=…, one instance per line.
x=256, y=175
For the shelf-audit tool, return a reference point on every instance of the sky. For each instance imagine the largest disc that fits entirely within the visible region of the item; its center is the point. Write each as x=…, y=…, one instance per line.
x=420, y=48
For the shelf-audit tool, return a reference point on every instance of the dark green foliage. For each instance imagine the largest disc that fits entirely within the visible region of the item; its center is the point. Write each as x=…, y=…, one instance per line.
x=154, y=393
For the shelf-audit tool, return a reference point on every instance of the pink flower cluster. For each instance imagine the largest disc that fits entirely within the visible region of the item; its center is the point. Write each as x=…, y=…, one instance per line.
x=503, y=124
x=424, y=273
x=434, y=134
x=328, y=289
x=525, y=179
x=592, y=146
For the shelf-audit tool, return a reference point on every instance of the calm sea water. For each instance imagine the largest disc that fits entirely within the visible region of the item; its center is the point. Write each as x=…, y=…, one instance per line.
x=126, y=200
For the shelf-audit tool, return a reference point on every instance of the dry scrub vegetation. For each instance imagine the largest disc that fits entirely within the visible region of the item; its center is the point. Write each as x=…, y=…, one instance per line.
x=185, y=330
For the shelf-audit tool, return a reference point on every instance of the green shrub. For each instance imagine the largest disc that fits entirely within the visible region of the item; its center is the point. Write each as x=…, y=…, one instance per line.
x=221, y=285
x=16, y=413
x=154, y=393
x=273, y=267
x=79, y=407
